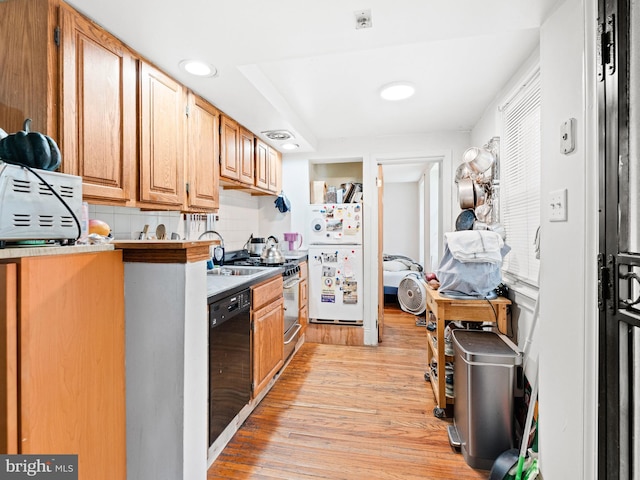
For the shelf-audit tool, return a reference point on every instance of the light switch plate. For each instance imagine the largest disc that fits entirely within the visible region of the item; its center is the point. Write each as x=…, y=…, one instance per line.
x=567, y=136
x=558, y=205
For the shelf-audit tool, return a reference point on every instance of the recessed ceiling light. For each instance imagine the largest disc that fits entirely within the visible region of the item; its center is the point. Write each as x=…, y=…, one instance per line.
x=397, y=91
x=278, y=134
x=198, y=68
x=289, y=146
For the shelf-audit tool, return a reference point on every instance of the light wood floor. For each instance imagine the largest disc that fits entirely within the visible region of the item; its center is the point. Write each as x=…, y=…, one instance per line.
x=343, y=412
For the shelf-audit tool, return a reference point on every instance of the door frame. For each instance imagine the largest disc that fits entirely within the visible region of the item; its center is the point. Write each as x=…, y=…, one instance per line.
x=398, y=160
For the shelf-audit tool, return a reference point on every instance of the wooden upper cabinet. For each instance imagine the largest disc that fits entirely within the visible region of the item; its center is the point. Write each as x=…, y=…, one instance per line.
x=82, y=93
x=29, y=67
x=246, y=159
x=203, y=176
x=262, y=164
x=275, y=171
x=229, y=145
x=162, y=139
x=268, y=168
x=236, y=152
x=99, y=119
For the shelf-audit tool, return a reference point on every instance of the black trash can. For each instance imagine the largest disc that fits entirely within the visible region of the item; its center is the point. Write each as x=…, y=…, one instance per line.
x=487, y=377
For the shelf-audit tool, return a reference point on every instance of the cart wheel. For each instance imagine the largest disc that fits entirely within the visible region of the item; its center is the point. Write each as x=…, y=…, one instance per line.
x=427, y=377
x=439, y=412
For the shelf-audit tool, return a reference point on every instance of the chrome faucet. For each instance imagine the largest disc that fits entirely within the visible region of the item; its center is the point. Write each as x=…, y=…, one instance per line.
x=202, y=236
x=216, y=252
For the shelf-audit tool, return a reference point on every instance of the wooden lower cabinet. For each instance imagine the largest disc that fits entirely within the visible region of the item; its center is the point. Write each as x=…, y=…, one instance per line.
x=62, y=354
x=267, y=320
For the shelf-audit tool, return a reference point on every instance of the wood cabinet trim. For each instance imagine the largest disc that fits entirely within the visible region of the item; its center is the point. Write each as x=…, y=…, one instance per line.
x=163, y=251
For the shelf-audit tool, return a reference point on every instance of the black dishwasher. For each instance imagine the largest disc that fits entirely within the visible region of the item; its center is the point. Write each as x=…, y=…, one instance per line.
x=229, y=359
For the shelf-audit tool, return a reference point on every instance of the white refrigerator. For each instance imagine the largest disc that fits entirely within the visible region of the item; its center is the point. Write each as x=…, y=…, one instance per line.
x=335, y=263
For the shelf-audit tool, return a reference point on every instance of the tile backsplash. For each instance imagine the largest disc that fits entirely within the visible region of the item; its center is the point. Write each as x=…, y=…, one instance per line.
x=236, y=220
x=127, y=223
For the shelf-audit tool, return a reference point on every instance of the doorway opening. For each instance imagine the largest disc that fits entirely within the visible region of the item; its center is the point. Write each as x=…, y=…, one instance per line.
x=409, y=220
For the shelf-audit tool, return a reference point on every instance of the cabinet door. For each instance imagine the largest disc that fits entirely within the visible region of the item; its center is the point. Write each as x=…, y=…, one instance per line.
x=229, y=140
x=99, y=120
x=204, y=170
x=29, y=70
x=275, y=169
x=72, y=364
x=246, y=156
x=8, y=359
x=268, y=344
x=262, y=164
x=162, y=145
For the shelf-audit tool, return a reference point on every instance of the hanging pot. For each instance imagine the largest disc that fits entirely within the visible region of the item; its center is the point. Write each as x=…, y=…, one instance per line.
x=483, y=213
x=479, y=195
x=466, y=195
x=465, y=220
x=463, y=171
x=479, y=159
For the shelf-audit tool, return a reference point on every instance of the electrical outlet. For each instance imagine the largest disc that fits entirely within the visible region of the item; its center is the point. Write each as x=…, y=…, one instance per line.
x=557, y=205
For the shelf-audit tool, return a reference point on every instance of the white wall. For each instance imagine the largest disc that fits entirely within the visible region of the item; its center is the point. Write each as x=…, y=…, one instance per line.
x=401, y=223
x=238, y=218
x=566, y=339
x=568, y=307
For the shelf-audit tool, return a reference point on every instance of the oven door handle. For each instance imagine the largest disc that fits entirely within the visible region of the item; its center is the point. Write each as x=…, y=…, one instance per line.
x=291, y=283
x=293, y=335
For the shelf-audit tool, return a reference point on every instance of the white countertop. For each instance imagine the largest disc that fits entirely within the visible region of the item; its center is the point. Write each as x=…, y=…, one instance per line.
x=41, y=250
x=217, y=284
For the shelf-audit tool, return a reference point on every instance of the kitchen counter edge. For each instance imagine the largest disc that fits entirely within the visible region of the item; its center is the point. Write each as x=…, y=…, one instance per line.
x=43, y=250
x=220, y=287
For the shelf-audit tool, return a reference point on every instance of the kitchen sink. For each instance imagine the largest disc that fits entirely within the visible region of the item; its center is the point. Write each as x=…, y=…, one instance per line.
x=240, y=271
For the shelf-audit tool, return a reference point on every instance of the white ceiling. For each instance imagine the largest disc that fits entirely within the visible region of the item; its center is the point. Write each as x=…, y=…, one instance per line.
x=303, y=66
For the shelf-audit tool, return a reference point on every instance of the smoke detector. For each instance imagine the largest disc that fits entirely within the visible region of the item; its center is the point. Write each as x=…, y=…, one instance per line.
x=278, y=134
x=363, y=19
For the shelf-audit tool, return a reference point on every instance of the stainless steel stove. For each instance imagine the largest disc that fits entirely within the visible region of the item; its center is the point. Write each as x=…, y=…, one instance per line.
x=242, y=257
x=291, y=279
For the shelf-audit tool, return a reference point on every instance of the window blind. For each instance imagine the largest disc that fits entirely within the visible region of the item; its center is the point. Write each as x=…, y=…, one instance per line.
x=520, y=180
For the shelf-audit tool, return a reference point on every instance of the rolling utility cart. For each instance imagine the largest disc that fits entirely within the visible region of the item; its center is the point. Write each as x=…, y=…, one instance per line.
x=488, y=375
x=445, y=309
